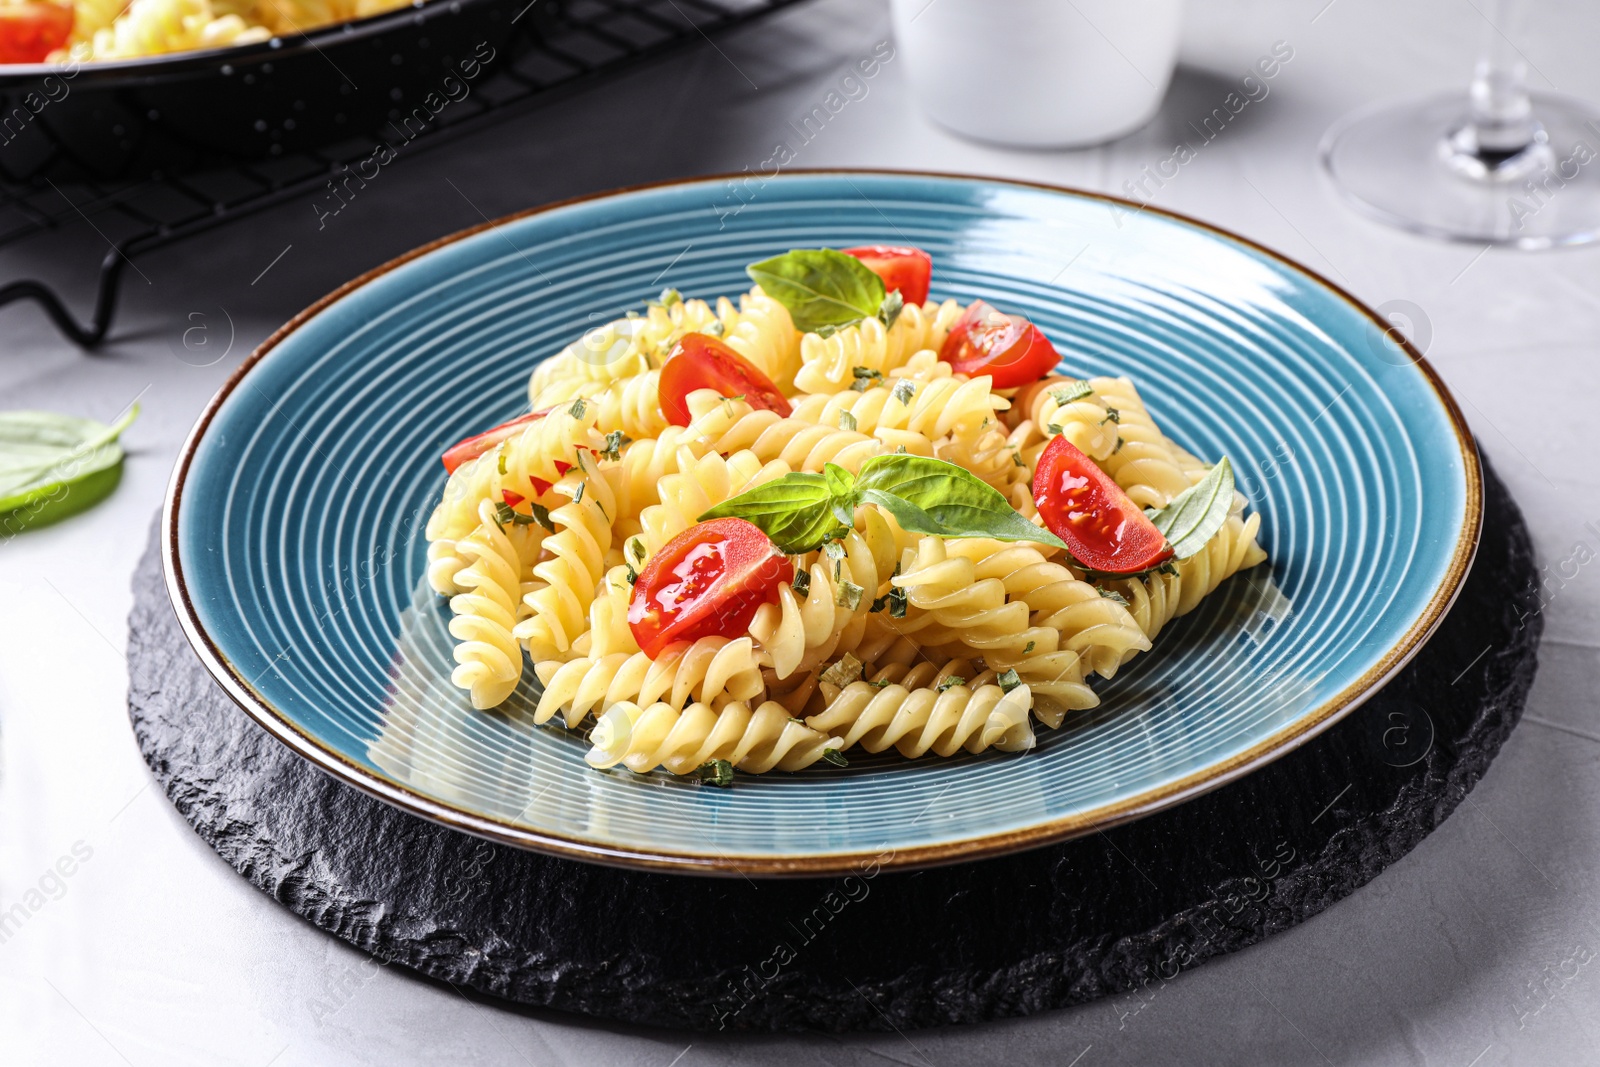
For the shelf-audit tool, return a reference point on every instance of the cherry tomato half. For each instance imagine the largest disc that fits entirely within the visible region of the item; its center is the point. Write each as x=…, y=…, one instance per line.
x=706, y=582
x=31, y=30
x=699, y=361
x=905, y=269
x=478, y=444
x=1104, y=530
x=1008, y=348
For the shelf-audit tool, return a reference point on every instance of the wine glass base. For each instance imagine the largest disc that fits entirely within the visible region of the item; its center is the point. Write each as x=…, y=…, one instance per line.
x=1409, y=165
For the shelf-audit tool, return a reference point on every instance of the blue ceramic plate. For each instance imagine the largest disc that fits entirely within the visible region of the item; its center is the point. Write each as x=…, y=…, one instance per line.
x=294, y=546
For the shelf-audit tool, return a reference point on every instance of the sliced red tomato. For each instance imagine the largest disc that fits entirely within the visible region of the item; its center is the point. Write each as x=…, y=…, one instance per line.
x=706, y=582
x=1008, y=348
x=478, y=444
x=700, y=361
x=906, y=269
x=32, y=29
x=1104, y=530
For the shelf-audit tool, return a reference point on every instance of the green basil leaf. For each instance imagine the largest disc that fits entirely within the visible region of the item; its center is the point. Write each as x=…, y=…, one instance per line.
x=1195, y=515
x=820, y=287
x=841, y=492
x=890, y=310
x=794, y=511
x=53, y=466
x=936, y=497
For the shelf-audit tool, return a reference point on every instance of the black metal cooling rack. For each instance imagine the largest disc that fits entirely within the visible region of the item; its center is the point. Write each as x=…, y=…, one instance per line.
x=581, y=42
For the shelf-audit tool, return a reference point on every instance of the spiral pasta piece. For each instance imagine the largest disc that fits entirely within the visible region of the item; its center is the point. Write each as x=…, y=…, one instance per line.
x=623, y=348
x=699, y=485
x=797, y=633
x=1095, y=627
x=948, y=603
x=1156, y=599
x=557, y=611
x=828, y=364
x=727, y=426
x=704, y=670
x=918, y=721
x=762, y=332
x=1058, y=405
x=631, y=405
x=1143, y=465
x=644, y=738
x=548, y=448
x=960, y=407
x=488, y=658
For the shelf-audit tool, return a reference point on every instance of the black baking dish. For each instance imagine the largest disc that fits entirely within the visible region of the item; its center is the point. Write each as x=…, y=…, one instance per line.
x=123, y=120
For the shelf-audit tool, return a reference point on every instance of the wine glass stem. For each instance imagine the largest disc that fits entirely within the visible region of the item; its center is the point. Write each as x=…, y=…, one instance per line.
x=1502, y=115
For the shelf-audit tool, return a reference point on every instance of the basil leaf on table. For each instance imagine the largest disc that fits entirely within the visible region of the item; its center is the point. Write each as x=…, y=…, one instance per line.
x=1194, y=516
x=820, y=287
x=944, y=499
x=53, y=466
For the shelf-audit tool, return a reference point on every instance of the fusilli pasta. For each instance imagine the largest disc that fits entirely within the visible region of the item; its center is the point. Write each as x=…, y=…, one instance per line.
x=555, y=539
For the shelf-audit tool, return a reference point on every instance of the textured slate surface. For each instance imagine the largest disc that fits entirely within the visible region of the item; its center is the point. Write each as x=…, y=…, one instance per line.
x=1005, y=937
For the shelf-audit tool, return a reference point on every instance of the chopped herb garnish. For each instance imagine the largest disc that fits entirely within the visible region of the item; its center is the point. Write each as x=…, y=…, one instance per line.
x=802, y=583
x=848, y=594
x=835, y=551
x=1113, y=595
x=541, y=515
x=502, y=463
x=669, y=297
x=578, y=496
x=950, y=682
x=1120, y=443
x=881, y=683
x=614, y=442
x=835, y=757
x=844, y=672
x=716, y=329
x=865, y=378
x=1112, y=415
x=880, y=603
x=633, y=550
x=719, y=772
x=1016, y=457
x=904, y=390
x=1009, y=680
x=1073, y=390
x=1028, y=648
x=503, y=514
x=847, y=421
x=1168, y=568
x=897, y=603
x=1054, y=429
x=890, y=309
x=578, y=408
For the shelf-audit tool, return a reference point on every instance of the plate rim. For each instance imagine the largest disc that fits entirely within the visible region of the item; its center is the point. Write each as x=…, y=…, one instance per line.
x=981, y=846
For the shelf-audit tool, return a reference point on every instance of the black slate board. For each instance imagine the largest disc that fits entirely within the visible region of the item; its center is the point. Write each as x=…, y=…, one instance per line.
x=1004, y=937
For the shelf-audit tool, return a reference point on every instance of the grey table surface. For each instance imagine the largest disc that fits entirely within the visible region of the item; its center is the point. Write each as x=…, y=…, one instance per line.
x=1471, y=951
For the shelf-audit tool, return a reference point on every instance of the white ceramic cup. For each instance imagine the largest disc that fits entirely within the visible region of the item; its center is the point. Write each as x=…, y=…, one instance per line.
x=1039, y=73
